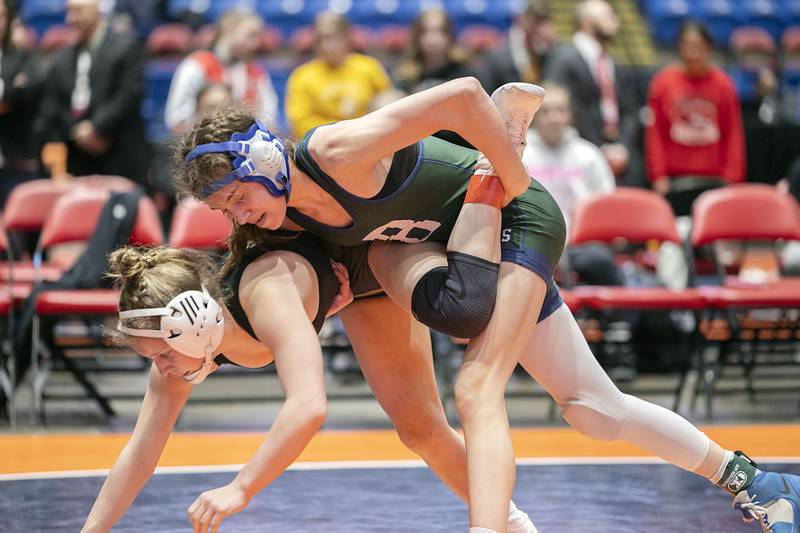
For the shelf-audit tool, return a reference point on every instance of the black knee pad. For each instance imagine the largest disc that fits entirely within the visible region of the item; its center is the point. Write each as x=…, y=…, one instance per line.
x=457, y=299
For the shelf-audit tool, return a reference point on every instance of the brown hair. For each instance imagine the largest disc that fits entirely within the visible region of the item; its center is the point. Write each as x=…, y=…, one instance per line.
x=193, y=177
x=411, y=67
x=151, y=277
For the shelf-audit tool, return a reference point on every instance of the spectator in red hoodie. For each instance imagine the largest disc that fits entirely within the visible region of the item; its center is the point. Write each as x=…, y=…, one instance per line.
x=696, y=125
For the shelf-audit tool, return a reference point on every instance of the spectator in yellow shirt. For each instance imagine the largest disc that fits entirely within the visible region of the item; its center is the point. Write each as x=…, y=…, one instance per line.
x=338, y=84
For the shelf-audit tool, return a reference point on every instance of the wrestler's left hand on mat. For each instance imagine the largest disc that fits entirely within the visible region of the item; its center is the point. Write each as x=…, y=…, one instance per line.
x=211, y=507
x=345, y=295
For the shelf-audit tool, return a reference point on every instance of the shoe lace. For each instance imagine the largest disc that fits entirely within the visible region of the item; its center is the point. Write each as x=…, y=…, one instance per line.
x=752, y=511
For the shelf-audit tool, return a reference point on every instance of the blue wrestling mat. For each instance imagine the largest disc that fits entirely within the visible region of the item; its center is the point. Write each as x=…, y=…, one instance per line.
x=582, y=498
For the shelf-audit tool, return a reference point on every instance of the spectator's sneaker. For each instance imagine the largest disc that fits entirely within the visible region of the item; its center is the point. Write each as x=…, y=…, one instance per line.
x=518, y=102
x=772, y=499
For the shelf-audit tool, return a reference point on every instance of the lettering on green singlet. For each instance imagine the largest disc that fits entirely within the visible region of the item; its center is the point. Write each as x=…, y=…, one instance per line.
x=408, y=231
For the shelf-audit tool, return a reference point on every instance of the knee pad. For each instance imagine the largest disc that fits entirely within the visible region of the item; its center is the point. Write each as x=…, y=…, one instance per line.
x=593, y=419
x=457, y=300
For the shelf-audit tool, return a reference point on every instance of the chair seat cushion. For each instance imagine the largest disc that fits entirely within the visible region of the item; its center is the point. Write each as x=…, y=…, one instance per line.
x=639, y=298
x=23, y=272
x=776, y=294
x=87, y=302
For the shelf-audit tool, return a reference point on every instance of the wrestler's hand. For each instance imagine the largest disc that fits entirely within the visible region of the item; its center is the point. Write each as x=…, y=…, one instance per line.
x=213, y=506
x=345, y=295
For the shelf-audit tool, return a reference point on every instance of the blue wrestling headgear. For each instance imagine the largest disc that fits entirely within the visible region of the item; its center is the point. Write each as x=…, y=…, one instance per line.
x=258, y=156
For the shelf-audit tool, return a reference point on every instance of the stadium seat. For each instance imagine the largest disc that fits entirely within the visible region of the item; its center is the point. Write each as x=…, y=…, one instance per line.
x=26, y=210
x=271, y=39
x=790, y=11
x=756, y=216
x=753, y=48
x=178, y=9
x=480, y=38
x=608, y=218
x=719, y=16
x=219, y=7
x=289, y=15
x=496, y=13
x=74, y=218
x=761, y=13
x=302, y=39
x=790, y=52
x=195, y=225
x=57, y=37
x=170, y=38
x=379, y=13
x=666, y=17
x=158, y=75
x=392, y=38
x=43, y=14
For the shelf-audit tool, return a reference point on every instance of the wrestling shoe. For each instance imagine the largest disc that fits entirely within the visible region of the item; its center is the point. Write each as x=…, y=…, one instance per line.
x=519, y=522
x=518, y=102
x=772, y=499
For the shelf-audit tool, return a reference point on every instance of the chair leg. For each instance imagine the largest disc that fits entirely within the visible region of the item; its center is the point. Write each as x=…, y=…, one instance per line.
x=88, y=386
x=38, y=373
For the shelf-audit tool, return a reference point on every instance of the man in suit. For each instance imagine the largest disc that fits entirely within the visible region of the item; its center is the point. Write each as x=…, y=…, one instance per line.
x=524, y=54
x=604, y=100
x=93, y=97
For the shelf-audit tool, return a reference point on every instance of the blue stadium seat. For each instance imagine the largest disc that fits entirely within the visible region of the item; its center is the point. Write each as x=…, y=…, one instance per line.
x=42, y=14
x=176, y=8
x=377, y=13
x=279, y=70
x=666, y=17
x=220, y=7
x=762, y=13
x=289, y=15
x=790, y=11
x=746, y=83
x=471, y=12
x=719, y=16
x=158, y=74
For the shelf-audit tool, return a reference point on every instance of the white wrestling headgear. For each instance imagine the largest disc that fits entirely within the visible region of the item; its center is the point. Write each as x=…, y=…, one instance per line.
x=192, y=323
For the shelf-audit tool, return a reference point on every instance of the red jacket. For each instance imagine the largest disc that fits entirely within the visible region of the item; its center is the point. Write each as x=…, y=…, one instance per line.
x=696, y=127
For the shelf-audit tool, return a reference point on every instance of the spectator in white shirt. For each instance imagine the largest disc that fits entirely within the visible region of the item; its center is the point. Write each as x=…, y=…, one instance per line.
x=571, y=168
x=230, y=61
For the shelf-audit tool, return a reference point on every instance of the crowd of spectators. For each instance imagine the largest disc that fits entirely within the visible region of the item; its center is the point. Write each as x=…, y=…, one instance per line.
x=77, y=110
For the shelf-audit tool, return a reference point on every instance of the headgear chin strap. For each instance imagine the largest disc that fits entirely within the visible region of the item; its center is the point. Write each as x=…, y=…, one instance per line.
x=192, y=323
x=258, y=156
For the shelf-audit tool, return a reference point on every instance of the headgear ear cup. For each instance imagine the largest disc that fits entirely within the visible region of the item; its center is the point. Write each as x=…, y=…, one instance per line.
x=192, y=323
x=258, y=156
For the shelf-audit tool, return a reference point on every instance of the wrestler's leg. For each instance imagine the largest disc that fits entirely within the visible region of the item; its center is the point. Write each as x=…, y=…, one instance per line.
x=394, y=352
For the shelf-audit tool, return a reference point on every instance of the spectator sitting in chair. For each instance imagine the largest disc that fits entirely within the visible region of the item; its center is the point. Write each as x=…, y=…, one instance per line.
x=338, y=84
x=571, y=168
x=230, y=61
x=433, y=56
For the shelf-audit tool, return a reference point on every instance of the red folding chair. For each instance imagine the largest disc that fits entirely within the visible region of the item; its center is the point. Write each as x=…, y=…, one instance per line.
x=636, y=217
x=74, y=218
x=195, y=225
x=759, y=218
x=107, y=182
x=7, y=322
x=26, y=209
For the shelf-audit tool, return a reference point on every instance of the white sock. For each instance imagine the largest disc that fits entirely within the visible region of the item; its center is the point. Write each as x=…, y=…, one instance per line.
x=481, y=530
x=721, y=470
